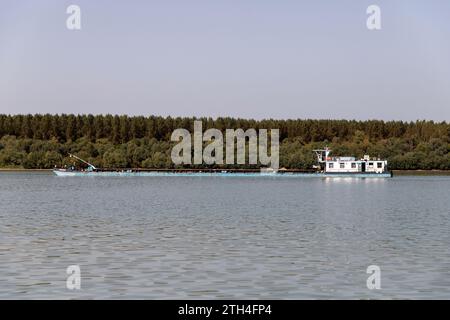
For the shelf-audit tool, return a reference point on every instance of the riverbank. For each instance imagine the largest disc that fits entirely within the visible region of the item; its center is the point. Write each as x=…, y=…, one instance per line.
x=421, y=172
x=23, y=170
x=396, y=172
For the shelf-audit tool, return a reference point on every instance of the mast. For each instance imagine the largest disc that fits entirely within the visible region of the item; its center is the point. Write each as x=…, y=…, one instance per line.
x=327, y=152
x=322, y=156
x=78, y=158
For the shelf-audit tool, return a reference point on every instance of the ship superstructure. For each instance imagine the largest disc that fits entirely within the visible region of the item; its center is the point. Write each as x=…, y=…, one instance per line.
x=349, y=165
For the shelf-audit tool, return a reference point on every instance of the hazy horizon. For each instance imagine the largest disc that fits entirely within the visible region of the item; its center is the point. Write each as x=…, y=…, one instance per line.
x=225, y=116
x=248, y=59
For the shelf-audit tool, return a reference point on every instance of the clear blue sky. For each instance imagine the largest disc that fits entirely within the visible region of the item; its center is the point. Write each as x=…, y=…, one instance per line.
x=243, y=58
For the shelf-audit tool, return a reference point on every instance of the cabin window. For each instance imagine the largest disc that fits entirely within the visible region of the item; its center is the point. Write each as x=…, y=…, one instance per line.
x=330, y=165
x=379, y=165
x=370, y=163
x=342, y=165
x=353, y=165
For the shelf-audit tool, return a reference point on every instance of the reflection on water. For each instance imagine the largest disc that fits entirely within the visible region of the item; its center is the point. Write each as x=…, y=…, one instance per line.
x=212, y=237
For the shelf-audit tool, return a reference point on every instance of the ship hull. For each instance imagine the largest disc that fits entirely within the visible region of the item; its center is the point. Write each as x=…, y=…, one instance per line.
x=62, y=173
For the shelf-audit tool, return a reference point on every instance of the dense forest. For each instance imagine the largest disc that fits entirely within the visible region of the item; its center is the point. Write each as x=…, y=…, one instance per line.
x=43, y=141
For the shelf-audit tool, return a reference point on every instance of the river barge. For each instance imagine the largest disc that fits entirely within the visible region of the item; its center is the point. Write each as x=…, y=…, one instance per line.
x=334, y=167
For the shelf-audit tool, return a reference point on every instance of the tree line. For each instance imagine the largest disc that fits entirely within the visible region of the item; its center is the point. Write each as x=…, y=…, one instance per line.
x=43, y=141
